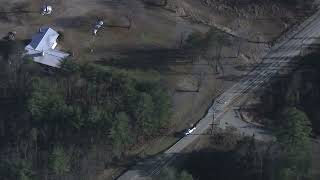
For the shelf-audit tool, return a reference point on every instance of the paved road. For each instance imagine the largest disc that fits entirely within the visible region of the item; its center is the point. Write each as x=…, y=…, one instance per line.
x=278, y=57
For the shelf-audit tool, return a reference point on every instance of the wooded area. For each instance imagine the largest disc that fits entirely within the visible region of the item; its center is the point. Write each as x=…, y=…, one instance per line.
x=228, y=156
x=48, y=119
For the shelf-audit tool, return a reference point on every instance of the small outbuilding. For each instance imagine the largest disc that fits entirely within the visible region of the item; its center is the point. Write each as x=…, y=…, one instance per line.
x=42, y=48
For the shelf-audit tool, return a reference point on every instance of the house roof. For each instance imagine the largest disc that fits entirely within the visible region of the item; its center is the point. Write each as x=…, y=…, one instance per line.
x=50, y=57
x=41, y=48
x=44, y=39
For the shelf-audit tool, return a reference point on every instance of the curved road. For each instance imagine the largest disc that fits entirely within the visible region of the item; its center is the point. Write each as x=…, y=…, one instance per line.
x=275, y=59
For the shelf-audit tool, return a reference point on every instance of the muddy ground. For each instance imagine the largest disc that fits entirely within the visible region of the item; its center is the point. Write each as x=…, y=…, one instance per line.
x=148, y=37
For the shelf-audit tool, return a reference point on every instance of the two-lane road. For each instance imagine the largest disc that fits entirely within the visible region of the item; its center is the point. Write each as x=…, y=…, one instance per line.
x=279, y=56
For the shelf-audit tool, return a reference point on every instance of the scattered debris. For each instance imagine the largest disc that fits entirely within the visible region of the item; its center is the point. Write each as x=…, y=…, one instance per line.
x=11, y=36
x=97, y=27
x=46, y=10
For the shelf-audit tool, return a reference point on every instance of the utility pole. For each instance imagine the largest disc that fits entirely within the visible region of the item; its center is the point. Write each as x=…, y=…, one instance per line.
x=239, y=48
x=212, y=125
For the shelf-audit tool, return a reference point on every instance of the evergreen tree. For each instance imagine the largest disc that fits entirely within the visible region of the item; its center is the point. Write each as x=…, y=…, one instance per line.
x=172, y=174
x=161, y=102
x=16, y=169
x=294, y=137
x=143, y=114
x=184, y=175
x=120, y=134
x=59, y=161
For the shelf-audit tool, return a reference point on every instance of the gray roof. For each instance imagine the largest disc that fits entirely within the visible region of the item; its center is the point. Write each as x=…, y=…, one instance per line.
x=51, y=57
x=44, y=39
x=40, y=48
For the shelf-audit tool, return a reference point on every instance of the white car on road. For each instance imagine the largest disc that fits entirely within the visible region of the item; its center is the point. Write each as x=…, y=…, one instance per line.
x=189, y=131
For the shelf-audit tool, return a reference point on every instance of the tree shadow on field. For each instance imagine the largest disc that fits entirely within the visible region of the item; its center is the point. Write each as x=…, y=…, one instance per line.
x=16, y=12
x=88, y=22
x=158, y=59
x=76, y=22
x=244, y=67
x=231, y=77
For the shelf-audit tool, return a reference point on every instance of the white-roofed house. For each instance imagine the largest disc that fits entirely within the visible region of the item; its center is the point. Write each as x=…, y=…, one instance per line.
x=42, y=48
